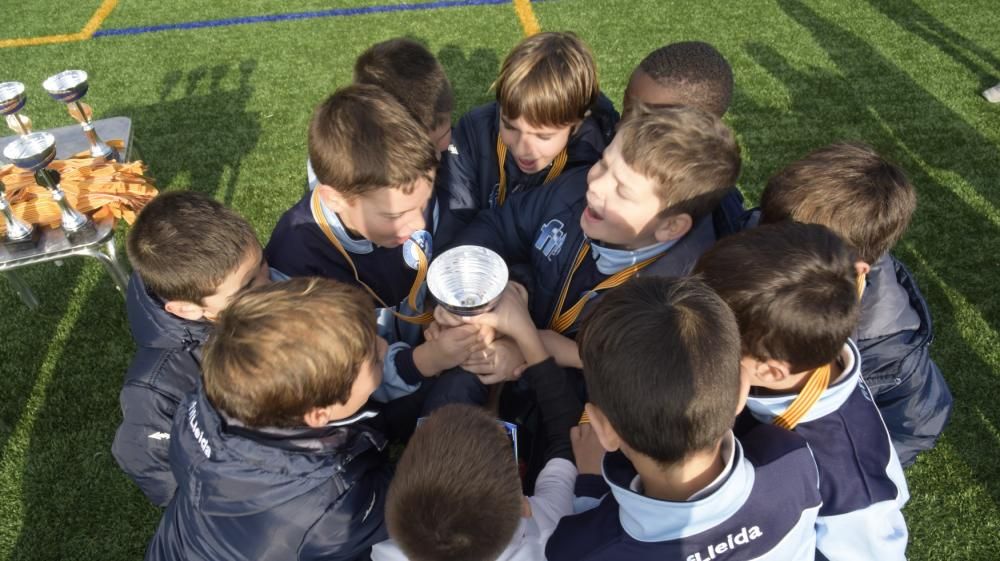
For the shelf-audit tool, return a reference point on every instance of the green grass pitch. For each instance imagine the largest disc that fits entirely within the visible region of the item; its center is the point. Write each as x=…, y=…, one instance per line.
x=224, y=111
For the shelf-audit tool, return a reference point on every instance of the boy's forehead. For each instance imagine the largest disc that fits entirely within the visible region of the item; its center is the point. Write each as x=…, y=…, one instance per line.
x=526, y=126
x=395, y=199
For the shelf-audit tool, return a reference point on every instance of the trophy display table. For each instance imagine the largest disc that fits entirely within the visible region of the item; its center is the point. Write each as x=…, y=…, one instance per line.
x=54, y=245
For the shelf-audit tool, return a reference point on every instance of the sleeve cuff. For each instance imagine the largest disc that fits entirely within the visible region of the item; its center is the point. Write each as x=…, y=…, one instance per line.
x=406, y=368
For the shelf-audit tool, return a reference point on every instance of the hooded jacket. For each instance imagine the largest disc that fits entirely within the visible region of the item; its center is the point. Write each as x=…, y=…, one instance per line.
x=271, y=493
x=166, y=367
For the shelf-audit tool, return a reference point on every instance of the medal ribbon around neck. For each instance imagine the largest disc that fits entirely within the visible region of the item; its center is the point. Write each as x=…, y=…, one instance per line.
x=422, y=264
x=561, y=321
x=557, y=167
x=819, y=381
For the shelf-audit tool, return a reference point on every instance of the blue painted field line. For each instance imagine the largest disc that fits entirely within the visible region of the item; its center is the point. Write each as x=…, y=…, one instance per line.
x=332, y=13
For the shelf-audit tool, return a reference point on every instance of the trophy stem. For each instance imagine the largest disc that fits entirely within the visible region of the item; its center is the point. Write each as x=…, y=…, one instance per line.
x=98, y=149
x=17, y=229
x=71, y=219
x=21, y=125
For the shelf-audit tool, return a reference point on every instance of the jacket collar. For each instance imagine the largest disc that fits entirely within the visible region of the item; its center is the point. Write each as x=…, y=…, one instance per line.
x=154, y=327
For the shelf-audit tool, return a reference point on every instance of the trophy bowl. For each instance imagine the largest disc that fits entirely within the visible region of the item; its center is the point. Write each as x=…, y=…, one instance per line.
x=467, y=280
x=32, y=151
x=12, y=97
x=67, y=86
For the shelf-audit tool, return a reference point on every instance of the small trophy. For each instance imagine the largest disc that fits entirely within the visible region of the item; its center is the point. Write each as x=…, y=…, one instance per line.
x=12, y=99
x=20, y=235
x=33, y=152
x=69, y=87
x=467, y=280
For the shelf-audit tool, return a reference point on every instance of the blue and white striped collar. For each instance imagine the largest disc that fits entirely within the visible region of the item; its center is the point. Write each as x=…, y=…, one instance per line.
x=359, y=247
x=610, y=261
x=652, y=520
x=766, y=408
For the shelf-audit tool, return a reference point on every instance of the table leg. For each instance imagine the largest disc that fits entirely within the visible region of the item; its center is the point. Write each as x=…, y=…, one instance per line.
x=109, y=258
x=27, y=296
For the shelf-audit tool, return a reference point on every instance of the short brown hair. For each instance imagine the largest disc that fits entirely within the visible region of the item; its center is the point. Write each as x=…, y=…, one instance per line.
x=691, y=154
x=456, y=493
x=849, y=188
x=550, y=79
x=696, y=72
x=362, y=139
x=184, y=244
x=282, y=349
x=409, y=72
x=792, y=287
x=661, y=358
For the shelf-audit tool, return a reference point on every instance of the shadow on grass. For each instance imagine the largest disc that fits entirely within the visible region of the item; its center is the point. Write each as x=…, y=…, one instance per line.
x=199, y=127
x=874, y=101
x=76, y=502
x=911, y=17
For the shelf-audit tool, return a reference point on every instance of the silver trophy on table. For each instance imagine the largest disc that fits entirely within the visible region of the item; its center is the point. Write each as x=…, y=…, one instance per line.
x=12, y=99
x=33, y=152
x=20, y=235
x=467, y=280
x=69, y=87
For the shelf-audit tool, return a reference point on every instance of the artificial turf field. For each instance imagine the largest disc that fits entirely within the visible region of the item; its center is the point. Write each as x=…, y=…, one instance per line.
x=223, y=110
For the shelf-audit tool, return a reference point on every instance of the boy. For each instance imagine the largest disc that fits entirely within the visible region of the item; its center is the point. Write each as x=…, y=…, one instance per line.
x=367, y=223
x=456, y=493
x=689, y=73
x=407, y=71
x=272, y=457
x=792, y=288
x=549, y=117
x=644, y=209
x=869, y=202
x=662, y=363
x=191, y=254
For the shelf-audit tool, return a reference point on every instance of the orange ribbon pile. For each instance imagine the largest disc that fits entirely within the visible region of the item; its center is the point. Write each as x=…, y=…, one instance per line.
x=92, y=185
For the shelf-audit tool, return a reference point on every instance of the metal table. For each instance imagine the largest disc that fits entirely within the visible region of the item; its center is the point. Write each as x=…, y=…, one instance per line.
x=54, y=245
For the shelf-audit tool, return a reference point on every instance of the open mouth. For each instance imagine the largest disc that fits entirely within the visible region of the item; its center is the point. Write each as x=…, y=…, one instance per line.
x=525, y=164
x=592, y=215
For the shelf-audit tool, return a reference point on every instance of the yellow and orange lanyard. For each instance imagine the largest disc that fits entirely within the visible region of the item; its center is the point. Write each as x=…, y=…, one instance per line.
x=563, y=320
x=557, y=167
x=422, y=264
x=818, y=382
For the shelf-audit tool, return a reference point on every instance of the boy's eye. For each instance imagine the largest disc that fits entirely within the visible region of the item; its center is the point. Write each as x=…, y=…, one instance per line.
x=544, y=137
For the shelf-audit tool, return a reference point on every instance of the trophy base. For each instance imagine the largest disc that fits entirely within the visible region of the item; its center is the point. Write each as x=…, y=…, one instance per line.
x=88, y=230
x=28, y=242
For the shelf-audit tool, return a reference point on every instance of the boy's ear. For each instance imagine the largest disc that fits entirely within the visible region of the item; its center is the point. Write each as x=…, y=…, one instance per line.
x=862, y=268
x=332, y=198
x=773, y=371
x=317, y=417
x=606, y=434
x=674, y=227
x=185, y=310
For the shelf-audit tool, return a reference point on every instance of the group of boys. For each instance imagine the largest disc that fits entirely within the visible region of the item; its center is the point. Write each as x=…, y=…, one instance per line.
x=695, y=386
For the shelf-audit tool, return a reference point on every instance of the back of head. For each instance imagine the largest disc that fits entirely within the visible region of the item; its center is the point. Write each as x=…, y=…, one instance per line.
x=661, y=358
x=848, y=188
x=695, y=73
x=410, y=73
x=362, y=139
x=549, y=79
x=692, y=155
x=456, y=493
x=184, y=244
x=282, y=349
x=793, y=289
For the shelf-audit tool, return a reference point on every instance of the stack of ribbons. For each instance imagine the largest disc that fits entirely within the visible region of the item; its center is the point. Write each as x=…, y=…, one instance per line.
x=93, y=186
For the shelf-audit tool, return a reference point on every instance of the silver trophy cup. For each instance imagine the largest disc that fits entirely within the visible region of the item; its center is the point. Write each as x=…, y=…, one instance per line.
x=467, y=280
x=20, y=235
x=69, y=87
x=12, y=99
x=33, y=152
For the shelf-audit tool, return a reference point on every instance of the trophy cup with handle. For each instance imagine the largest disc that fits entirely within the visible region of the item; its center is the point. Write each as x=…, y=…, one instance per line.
x=467, y=280
x=69, y=87
x=12, y=99
x=34, y=152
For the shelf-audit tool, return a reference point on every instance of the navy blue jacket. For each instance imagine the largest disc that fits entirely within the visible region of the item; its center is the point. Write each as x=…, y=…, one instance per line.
x=894, y=336
x=472, y=175
x=271, y=494
x=764, y=509
x=166, y=367
x=542, y=228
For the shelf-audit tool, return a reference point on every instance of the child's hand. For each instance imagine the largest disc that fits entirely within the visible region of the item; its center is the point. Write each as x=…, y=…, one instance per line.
x=445, y=318
x=587, y=449
x=510, y=316
x=448, y=349
x=500, y=362
x=433, y=331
